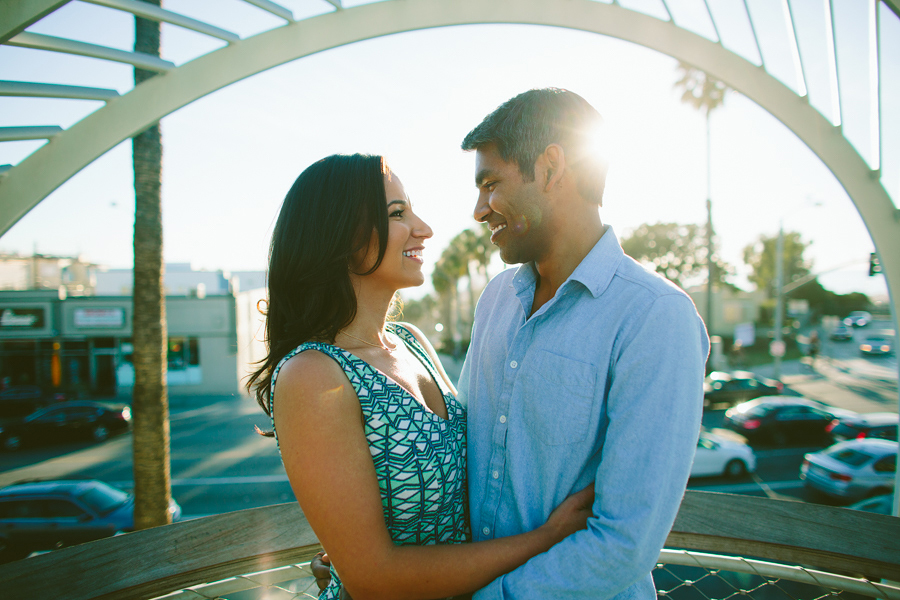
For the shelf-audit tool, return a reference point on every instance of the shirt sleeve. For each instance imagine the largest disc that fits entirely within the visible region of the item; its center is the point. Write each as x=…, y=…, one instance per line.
x=654, y=406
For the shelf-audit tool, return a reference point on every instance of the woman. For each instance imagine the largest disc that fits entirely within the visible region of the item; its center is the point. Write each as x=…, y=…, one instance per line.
x=371, y=435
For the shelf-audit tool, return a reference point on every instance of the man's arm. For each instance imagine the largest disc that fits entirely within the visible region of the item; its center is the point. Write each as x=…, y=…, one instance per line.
x=654, y=408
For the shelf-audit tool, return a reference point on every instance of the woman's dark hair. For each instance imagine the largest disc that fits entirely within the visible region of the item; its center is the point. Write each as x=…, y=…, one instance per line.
x=328, y=217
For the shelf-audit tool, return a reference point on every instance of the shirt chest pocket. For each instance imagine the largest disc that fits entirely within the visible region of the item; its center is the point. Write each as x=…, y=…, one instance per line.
x=558, y=397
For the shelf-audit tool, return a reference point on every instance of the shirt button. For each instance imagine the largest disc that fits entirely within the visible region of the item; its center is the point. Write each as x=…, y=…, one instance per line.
x=486, y=530
x=496, y=474
x=514, y=364
x=503, y=418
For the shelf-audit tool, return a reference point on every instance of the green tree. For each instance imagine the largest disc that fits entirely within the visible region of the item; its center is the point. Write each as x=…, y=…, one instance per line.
x=150, y=403
x=700, y=90
x=704, y=93
x=468, y=252
x=677, y=252
x=760, y=257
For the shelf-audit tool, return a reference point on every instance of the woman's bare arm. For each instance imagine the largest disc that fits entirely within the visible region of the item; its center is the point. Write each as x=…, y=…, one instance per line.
x=326, y=455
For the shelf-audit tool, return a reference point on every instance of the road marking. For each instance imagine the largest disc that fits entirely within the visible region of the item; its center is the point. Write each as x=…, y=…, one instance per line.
x=777, y=453
x=738, y=488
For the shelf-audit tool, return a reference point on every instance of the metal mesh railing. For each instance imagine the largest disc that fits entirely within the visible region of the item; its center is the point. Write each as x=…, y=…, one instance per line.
x=679, y=575
x=686, y=575
x=284, y=583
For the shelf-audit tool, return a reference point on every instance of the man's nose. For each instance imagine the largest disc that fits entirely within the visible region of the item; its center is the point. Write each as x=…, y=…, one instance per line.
x=482, y=208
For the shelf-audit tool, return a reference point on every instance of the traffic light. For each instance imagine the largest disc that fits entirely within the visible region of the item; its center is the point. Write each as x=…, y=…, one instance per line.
x=874, y=264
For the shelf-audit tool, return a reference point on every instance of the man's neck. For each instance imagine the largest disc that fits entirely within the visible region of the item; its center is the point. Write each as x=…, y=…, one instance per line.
x=553, y=270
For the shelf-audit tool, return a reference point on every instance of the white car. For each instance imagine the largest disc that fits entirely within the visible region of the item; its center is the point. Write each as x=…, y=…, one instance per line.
x=721, y=455
x=852, y=470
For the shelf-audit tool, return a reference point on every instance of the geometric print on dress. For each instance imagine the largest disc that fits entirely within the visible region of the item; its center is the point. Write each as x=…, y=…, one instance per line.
x=419, y=457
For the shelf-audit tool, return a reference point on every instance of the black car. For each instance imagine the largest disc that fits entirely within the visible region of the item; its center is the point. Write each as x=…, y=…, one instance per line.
x=44, y=515
x=20, y=400
x=66, y=421
x=841, y=333
x=783, y=420
x=871, y=425
x=730, y=388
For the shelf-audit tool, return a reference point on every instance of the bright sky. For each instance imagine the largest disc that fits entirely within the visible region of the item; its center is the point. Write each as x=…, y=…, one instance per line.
x=230, y=157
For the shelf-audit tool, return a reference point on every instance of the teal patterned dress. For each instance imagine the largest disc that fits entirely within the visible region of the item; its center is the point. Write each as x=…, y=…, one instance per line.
x=419, y=457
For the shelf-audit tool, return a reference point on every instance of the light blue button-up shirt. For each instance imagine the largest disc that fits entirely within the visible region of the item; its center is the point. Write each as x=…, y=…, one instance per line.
x=603, y=384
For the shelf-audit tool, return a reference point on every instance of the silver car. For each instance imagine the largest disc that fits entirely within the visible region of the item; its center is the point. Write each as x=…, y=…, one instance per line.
x=853, y=469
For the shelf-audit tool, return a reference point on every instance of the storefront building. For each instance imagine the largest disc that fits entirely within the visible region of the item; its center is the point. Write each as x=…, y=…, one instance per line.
x=82, y=345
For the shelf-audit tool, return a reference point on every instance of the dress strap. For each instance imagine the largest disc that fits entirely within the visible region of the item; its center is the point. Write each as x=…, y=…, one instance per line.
x=413, y=343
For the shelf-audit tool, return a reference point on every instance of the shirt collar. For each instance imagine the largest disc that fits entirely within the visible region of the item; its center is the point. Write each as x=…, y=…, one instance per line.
x=594, y=272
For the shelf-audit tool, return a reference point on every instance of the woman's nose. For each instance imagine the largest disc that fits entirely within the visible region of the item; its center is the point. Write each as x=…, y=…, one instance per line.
x=423, y=230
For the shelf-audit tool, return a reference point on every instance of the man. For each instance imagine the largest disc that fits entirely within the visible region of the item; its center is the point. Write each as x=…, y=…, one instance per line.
x=583, y=367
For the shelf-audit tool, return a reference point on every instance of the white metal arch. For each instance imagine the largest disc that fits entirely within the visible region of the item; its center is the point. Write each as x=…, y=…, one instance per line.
x=25, y=185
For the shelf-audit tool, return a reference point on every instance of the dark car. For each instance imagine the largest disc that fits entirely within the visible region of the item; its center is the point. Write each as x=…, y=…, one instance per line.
x=871, y=425
x=783, y=419
x=841, y=333
x=20, y=400
x=66, y=421
x=877, y=345
x=730, y=388
x=44, y=515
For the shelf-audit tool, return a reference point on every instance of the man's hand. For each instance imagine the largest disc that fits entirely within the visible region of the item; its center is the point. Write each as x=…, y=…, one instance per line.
x=320, y=566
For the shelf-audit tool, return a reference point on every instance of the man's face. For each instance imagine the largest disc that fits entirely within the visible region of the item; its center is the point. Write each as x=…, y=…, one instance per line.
x=510, y=206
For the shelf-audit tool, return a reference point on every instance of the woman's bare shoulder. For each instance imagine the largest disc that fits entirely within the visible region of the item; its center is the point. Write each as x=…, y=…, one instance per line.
x=312, y=378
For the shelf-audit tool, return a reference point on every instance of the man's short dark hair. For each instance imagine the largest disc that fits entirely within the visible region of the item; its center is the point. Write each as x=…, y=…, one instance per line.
x=521, y=129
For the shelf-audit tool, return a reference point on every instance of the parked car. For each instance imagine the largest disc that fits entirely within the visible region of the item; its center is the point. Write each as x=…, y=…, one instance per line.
x=870, y=425
x=720, y=455
x=20, y=400
x=95, y=421
x=783, y=419
x=852, y=470
x=841, y=333
x=44, y=515
x=720, y=387
x=881, y=505
x=876, y=345
x=858, y=318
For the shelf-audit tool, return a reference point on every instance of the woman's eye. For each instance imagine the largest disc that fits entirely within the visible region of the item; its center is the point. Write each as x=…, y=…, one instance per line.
x=397, y=213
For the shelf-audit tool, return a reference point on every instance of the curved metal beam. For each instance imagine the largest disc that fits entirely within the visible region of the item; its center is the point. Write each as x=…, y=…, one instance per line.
x=16, y=16
x=66, y=154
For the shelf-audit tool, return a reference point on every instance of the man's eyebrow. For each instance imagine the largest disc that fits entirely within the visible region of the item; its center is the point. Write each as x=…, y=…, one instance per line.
x=481, y=176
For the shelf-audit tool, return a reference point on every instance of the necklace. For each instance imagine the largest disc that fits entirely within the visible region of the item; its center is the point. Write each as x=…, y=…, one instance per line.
x=364, y=341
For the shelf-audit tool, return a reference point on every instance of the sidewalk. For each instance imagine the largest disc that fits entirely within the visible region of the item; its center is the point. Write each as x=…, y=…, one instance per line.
x=855, y=384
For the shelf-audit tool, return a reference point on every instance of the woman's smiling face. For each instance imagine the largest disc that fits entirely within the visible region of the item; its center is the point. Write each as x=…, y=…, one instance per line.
x=401, y=266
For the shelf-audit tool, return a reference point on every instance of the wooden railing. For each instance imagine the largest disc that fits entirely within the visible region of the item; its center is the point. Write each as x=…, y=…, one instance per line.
x=158, y=561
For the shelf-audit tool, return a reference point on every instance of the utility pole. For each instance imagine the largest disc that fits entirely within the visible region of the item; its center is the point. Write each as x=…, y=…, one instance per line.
x=777, y=349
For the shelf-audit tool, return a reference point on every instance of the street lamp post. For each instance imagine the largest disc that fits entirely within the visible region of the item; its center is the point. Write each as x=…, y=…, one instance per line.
x=778, y=346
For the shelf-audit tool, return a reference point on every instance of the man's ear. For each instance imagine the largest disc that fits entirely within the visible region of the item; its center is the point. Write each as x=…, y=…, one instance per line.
x=551, y=166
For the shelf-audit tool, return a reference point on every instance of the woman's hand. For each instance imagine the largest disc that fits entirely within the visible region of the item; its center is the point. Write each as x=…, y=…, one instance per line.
x=570, y=516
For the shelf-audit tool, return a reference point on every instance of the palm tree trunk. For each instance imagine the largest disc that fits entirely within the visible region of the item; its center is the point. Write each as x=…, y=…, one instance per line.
x=150, y=403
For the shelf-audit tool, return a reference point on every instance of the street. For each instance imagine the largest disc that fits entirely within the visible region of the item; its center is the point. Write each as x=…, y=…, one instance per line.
x=220, y=464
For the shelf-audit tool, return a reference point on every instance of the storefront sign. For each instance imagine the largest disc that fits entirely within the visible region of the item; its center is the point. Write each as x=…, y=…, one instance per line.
x=21, y=318
x=99, y=317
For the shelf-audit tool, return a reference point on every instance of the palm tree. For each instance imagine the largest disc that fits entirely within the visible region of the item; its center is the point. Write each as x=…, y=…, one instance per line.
x=705, y=93
x=150, y=403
